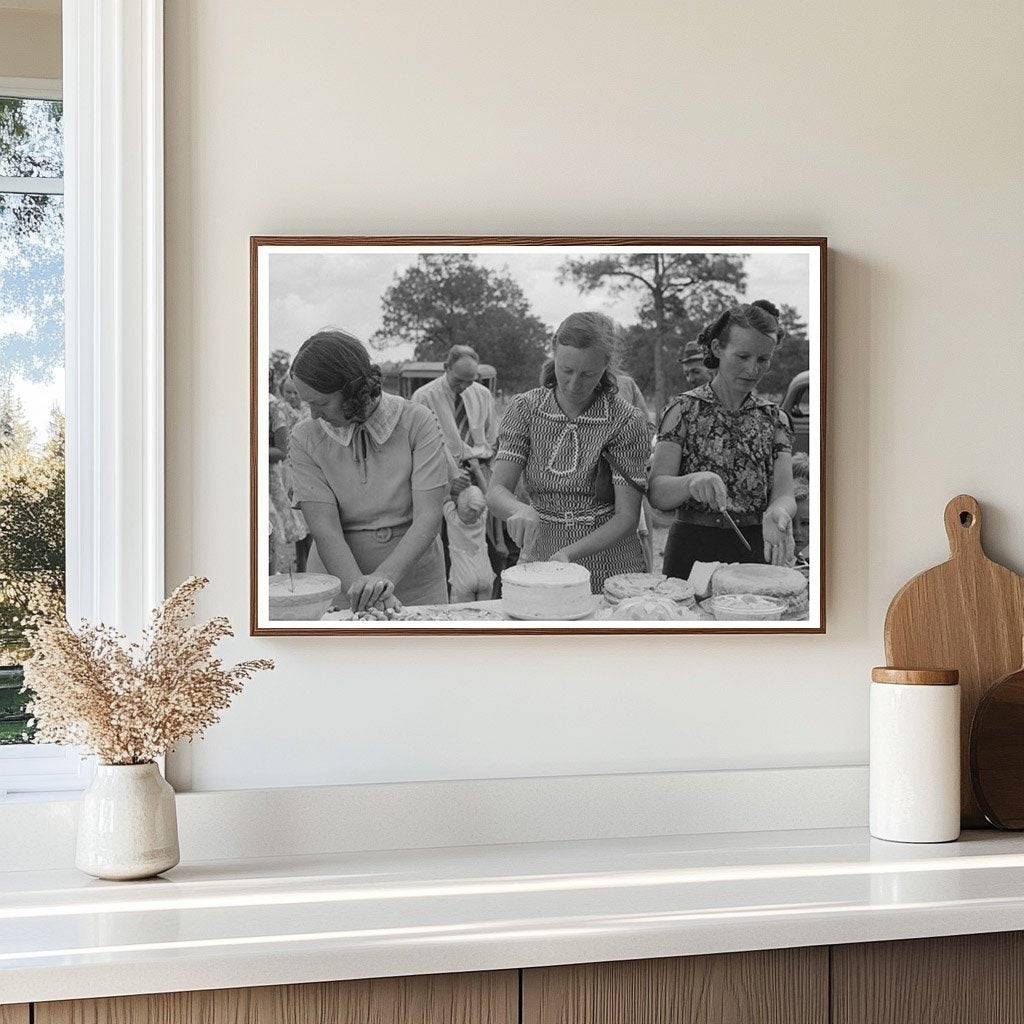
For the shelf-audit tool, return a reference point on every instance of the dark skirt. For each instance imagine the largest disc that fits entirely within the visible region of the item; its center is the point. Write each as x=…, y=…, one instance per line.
x=688, y=543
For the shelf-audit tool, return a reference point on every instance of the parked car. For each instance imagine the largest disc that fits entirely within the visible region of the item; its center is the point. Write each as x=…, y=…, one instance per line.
x=797, y=406
x=404, y=378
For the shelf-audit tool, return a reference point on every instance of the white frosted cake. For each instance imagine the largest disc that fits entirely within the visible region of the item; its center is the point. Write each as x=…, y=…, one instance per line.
x=302, y=596
x=546, y=590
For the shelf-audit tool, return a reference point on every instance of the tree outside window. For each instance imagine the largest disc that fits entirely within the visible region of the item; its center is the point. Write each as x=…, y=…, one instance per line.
x=31, y=386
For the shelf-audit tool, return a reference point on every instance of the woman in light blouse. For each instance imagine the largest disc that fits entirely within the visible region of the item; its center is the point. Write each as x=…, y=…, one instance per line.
x=370, y=476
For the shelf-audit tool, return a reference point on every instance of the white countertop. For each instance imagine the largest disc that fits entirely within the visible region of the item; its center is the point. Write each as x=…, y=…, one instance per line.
x=261, y=922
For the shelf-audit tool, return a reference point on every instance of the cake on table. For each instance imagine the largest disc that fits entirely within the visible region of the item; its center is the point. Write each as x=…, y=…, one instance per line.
x=768, y=581
x=546, y=591
x=301, y=596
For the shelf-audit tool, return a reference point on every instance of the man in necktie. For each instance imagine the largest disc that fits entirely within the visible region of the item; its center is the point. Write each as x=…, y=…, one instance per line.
x=465, y=410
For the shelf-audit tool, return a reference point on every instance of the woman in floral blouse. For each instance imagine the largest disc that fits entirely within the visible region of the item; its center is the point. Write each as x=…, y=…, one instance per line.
x=581, y=452
x=722, y=446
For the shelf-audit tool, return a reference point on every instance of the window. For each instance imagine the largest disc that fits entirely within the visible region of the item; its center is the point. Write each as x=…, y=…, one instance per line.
x=105, y=195
x=32, y=513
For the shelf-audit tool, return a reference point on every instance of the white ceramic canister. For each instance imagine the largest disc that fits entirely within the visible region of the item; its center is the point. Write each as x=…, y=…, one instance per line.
x=127, y=825
x=915, y=755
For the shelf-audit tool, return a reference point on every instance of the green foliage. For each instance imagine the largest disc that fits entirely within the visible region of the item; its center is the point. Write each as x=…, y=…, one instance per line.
x=31, y=528
x=447, y=300
x=31, y=477
x=14, y=719
x=31, y=138
x=31, y=548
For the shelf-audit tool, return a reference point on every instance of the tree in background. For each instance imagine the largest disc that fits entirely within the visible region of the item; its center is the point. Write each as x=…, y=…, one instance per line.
x=451, y=299
x=673, y=291
x=31, y=522
x=31, y=349
x=31, y=548
x=791, y=357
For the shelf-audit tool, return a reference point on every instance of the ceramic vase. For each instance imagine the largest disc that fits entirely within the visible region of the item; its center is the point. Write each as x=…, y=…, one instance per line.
x=127, y=825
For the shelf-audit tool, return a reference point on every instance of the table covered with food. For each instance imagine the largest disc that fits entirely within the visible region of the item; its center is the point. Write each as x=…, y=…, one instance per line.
x=561, y=591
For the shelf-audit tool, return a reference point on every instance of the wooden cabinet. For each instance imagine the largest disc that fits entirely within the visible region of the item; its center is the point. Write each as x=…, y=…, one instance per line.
x=777, y=986
x=482, y=998
x=962, y=979
x=969, y=979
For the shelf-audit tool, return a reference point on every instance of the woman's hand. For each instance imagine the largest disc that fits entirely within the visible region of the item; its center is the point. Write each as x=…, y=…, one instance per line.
x=368, y=590
x=709, y=488
x=560, y=556
x=777, y=526
x=459, y=484
x=523, y=526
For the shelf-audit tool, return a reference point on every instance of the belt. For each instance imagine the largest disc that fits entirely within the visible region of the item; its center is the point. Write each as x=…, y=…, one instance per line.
x=383, y=534
x=694, y=517
x=569, y=518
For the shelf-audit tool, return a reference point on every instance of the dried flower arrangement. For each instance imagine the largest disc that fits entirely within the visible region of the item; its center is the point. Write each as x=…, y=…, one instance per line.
x=130, y=703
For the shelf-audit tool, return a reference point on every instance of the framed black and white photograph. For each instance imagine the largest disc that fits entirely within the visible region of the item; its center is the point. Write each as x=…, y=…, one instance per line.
x=604, y=435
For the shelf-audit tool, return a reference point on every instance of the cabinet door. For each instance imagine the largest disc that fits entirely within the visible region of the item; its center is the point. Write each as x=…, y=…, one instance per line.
x=777, y=986
x=481, y=998
x=14, y=1013
x=961, y=979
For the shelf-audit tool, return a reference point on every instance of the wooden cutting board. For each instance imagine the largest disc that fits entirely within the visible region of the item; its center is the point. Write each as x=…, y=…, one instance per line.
x=967, y=614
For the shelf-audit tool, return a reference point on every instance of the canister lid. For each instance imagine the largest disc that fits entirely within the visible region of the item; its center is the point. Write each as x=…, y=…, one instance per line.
x=916, y=676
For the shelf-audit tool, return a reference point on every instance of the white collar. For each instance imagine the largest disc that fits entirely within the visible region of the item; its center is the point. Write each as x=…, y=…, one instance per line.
x=380, y=426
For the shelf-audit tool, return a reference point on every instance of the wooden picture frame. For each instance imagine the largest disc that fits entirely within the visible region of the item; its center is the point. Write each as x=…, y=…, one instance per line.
x=263, y=248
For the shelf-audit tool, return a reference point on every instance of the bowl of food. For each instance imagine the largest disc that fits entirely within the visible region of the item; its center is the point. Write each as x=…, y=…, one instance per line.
x=302, y=596
x=744, y=608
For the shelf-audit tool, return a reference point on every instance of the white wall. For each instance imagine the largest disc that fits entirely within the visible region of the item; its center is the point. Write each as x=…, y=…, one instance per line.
x=895, y=129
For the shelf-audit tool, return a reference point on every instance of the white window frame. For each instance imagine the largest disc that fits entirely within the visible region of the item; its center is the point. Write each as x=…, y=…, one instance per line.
x=114, y=325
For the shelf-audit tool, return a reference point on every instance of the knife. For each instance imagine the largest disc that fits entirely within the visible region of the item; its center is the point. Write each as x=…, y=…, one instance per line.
x=735, y=529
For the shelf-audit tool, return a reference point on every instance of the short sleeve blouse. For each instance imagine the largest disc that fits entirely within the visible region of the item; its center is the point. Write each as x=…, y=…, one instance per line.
x=740, y=445
x=404, y=452
x=561, y=457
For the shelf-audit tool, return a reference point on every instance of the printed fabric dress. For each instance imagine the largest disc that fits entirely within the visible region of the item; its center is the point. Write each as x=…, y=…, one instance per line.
x=741, y=446
x=566, y=478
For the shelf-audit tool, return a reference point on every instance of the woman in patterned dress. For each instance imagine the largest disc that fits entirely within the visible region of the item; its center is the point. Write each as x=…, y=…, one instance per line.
x=571, y=441
x=723, y=446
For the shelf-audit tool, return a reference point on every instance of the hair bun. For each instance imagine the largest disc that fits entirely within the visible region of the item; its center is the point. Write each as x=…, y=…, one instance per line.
x=768, y=306
x=371, y=385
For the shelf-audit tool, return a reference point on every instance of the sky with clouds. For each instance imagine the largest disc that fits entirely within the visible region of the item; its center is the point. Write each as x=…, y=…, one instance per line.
x=312, y=291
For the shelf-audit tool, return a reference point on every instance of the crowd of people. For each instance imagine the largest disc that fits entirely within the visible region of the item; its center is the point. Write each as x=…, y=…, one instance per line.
x=426, y=500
